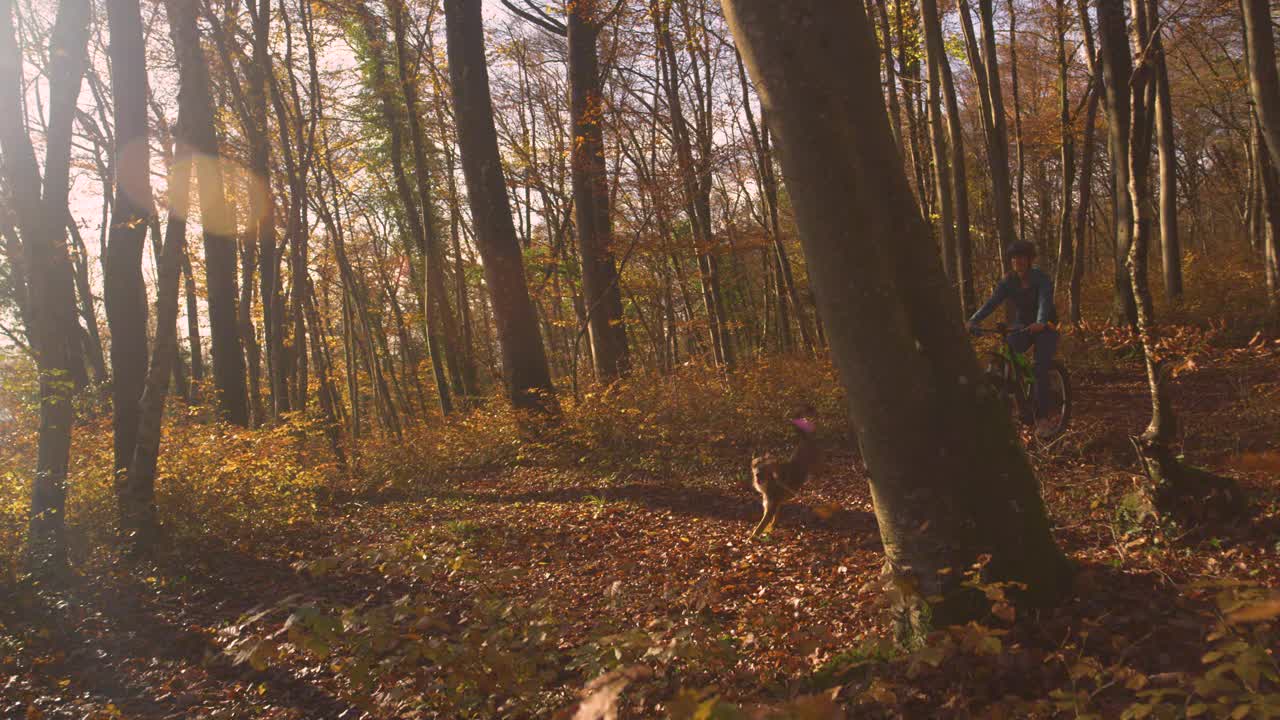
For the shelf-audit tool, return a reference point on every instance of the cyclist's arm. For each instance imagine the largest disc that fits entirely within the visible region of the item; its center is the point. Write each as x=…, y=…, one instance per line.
x=997, y=297
x=1045, y=311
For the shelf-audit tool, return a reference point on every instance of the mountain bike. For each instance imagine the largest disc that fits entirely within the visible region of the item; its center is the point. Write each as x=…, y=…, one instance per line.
x=1012, y=375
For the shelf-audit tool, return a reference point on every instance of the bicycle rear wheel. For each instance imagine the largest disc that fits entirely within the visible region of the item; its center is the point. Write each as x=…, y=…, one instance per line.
x=1058, y=401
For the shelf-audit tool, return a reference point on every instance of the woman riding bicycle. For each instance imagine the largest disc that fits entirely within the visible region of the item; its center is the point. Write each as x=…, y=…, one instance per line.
x=1030, y=291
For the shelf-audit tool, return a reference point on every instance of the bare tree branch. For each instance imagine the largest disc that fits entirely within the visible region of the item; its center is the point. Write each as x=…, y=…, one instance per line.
x=538, y=17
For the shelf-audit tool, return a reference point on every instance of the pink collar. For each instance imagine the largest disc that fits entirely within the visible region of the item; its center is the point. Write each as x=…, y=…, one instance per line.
x=803, y=424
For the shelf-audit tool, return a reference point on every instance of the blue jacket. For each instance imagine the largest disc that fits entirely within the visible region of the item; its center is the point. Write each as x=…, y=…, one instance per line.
x=1031, y=304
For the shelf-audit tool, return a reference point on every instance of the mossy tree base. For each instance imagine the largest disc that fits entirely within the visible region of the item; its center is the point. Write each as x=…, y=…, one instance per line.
x=1185, y=494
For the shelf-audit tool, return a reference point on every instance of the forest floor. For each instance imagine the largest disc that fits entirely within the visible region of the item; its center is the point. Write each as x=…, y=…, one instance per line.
x=505, y=590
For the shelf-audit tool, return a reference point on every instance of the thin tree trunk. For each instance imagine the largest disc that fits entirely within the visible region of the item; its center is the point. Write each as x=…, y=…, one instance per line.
x=935, y=55
x=908, y=73
x=1269, y=223
x=1086, y=191
x=138, y=519
x=974, y=54
x=891, y=81
x=414, y=214
x=1171, y=243
x=244, y=312
x=80, y=265
x=124, y=290
x=330, y=401
x=788, y=296
x=695, y=191
x=1017, y=119
x=998, y=149
x=960, y=190
x=193, y=324
x=262, y=209
x=1068, y=153
x=462, y=374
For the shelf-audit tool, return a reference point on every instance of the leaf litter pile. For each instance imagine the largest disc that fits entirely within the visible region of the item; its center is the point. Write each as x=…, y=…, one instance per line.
x=619, y=582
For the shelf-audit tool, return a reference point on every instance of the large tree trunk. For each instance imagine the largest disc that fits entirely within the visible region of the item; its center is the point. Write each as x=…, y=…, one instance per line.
x=1264, y=86
x=524, y=360
x=218, y=221
x=124, y=290
x=600, y=281
x=949, y=478
x=1264, y=79
x=1117, y=70
x=42, y=224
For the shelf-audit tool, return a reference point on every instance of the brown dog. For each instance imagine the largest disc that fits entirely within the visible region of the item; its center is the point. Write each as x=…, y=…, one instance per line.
x=779, y=480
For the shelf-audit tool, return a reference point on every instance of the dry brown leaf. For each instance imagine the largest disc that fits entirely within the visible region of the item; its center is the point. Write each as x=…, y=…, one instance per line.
x=600, y=696
x=1261, y=612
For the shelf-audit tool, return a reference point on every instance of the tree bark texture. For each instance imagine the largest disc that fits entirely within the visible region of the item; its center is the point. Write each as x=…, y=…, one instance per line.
x=1170, y=242
x=949, y=478
x=218, y=221
x=1117, y=65
x=41, y=220
x=1264, y=78
x=123, y=288
x=600, y=281
x=524, y=360
x=934, y=57
x=998, y=149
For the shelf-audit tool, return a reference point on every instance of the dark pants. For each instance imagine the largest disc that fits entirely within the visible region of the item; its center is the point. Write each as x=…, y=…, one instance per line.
x=1046, y=344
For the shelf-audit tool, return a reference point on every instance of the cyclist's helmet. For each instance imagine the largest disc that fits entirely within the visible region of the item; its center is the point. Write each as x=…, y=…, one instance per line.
x=1021, y=247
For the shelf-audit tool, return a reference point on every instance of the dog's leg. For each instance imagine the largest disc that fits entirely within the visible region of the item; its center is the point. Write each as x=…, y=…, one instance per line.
x=768, y=509
x=775, y=507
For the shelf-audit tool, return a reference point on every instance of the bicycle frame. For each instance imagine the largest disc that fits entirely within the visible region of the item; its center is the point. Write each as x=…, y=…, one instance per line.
x=1015, y=378
x=1021, y=362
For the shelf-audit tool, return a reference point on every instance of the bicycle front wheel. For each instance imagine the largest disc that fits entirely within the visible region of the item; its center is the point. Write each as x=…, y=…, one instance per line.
x=1000, y=377
x=1057, y=400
